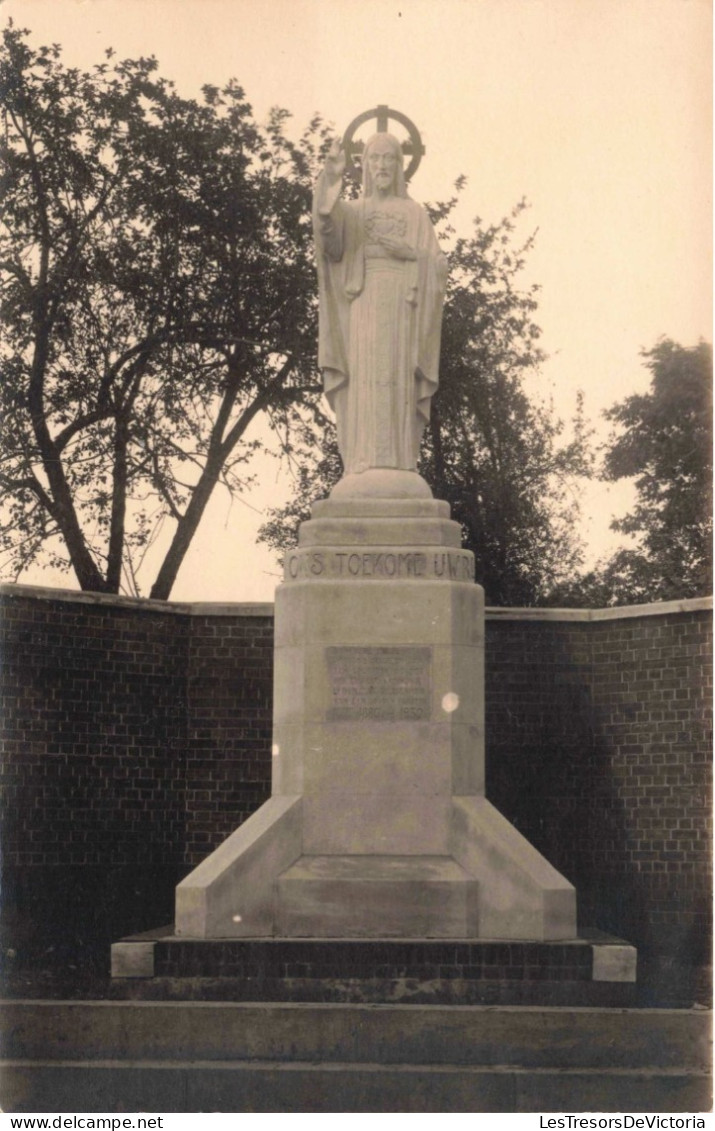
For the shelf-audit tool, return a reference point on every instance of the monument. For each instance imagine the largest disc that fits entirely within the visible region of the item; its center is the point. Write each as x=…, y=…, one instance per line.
x=378, y=826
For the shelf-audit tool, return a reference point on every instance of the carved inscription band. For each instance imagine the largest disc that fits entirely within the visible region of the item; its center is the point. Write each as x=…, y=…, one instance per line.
x=381, y=565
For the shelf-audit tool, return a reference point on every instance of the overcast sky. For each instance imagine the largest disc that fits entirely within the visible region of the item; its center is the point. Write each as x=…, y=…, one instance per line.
x=597, y=111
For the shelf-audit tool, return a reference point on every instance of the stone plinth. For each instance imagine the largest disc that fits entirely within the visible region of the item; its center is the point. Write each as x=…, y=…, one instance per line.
x=595, y=970
x=378, y=825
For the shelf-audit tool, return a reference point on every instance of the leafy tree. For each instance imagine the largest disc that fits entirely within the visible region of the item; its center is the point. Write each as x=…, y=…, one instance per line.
x=158, y=289
x=158, y=296
x=664, y=443
x=491, y=452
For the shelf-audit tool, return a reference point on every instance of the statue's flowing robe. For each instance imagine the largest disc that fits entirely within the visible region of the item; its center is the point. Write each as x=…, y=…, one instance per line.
x=380, y=325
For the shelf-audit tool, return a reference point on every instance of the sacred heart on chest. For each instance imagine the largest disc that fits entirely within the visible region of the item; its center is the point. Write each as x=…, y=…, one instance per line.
x=384, y=223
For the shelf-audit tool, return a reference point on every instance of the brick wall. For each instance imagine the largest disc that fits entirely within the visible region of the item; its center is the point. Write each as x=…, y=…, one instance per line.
x=95, y=723
x=599, y=739
x=137, y=737
x=229, y=720
x=92, y=778
x=653, y=751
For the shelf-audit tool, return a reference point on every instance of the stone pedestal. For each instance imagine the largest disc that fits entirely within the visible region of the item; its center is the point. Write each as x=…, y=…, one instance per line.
x=378, y=826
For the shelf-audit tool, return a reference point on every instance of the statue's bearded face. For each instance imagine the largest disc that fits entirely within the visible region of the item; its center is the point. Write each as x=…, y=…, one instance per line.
x=382, y=161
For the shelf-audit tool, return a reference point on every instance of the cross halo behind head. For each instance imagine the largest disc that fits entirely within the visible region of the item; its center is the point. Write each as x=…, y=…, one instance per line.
x=412, y=148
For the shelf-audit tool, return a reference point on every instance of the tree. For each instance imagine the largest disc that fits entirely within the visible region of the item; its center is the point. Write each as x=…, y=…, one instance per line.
x=491, y=452
x=664, y=443
x=158, y=296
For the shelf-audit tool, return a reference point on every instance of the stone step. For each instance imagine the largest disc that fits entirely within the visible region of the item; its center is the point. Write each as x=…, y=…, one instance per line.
x=265, y=1086
x=591, y=971
x=570, y=1038
x=405, y=896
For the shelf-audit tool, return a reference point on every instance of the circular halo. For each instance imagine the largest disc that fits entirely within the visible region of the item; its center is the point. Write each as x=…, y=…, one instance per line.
x=414, y=149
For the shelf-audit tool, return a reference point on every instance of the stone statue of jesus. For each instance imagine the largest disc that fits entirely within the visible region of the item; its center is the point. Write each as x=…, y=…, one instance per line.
x=382, y=280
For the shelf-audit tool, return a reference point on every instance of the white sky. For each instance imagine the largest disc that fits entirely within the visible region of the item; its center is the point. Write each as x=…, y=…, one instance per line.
x=597, y=111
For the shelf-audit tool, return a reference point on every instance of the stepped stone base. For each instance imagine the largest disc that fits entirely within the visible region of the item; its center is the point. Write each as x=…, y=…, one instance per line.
x=199, y=1056
x=584, y=971
x=305, y=1087
x=481, y=880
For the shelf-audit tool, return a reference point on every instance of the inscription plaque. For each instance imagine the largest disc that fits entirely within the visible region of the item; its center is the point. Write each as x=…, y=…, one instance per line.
x=379, y=684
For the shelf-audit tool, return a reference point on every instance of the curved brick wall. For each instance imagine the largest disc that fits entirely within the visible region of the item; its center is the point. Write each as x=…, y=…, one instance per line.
x=605, y=727
x=137, y=736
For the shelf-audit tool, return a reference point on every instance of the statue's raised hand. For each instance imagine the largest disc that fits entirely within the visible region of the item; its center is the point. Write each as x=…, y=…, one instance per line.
x=335, y=162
